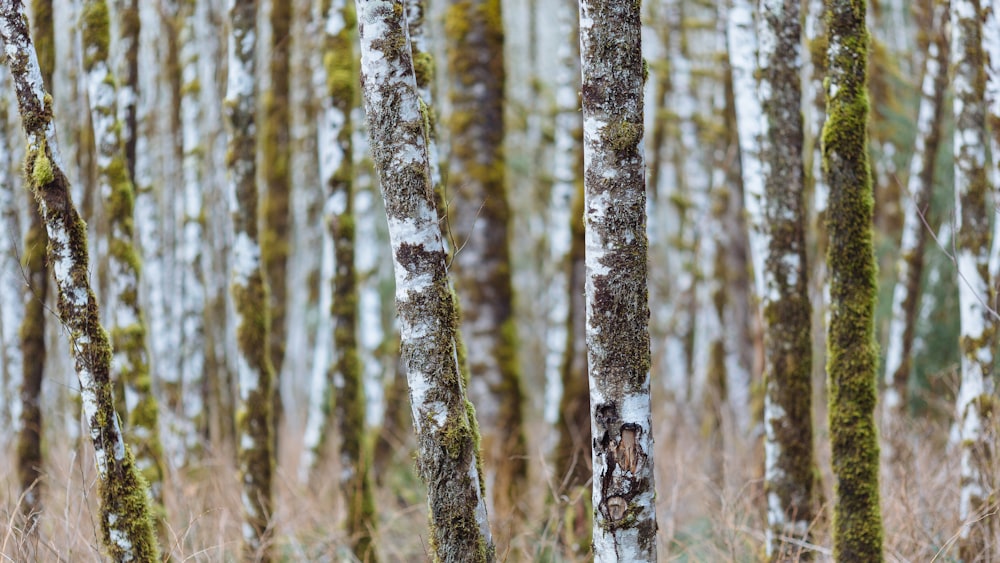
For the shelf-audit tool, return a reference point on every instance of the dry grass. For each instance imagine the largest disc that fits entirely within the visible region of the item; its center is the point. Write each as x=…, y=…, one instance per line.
x=699, y=520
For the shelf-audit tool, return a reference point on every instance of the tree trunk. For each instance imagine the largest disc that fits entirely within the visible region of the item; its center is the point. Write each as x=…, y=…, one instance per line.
x=344, y=387
x=445, y=422
x=125, y=521
x=991, y=50
x=852, y=358
x=789, y=463
x=617, y=309
x=250, y=292
x=977, y=400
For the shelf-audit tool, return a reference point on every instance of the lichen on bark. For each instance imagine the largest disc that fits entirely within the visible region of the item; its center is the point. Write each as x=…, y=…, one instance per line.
x=789, y=463
x=852, y=358
x=617, y=310
x=447, y=459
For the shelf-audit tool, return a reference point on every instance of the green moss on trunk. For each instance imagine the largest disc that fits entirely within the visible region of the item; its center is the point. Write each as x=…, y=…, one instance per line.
x=852, y=357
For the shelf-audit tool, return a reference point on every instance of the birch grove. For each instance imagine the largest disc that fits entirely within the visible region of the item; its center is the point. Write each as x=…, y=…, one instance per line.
x=573, y=236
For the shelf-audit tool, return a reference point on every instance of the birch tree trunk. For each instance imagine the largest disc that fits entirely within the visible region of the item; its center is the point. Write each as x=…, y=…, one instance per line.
x=479, y=220
x=250, y=292
x=977, y=399
x=910, y=264
x=32, y=330
x=130, y=363
x=617, y=310
x=789, y=463
x=445, y=422
x=125, y=521
x=852, y=357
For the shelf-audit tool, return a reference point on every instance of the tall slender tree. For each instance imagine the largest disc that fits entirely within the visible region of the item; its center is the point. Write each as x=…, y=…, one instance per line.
x=445, y=422
x=852, y=358
x=789, y=463
x=977, y=401
x=125, y=521
x=617, y=310
x=250, y=291
x=130, y=366
x=479, y=220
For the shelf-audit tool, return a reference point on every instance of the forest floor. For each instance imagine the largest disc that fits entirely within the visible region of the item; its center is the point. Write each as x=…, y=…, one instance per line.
x=699, y=520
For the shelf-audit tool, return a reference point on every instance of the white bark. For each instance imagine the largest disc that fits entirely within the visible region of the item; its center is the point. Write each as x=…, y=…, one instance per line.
x=564, y=162
x=617, y=308
x=991, y=49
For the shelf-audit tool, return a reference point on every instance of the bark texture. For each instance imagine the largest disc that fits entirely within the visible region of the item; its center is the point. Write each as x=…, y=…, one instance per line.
x=444, y=420
x=977, y=401
x=617, y=310
x=479, y=220
x=788, y=446
x=125, y=521
x=250, y=292
x=852, y=357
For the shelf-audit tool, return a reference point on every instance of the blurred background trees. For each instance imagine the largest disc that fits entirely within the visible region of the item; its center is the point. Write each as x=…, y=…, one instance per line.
x=502, y=90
